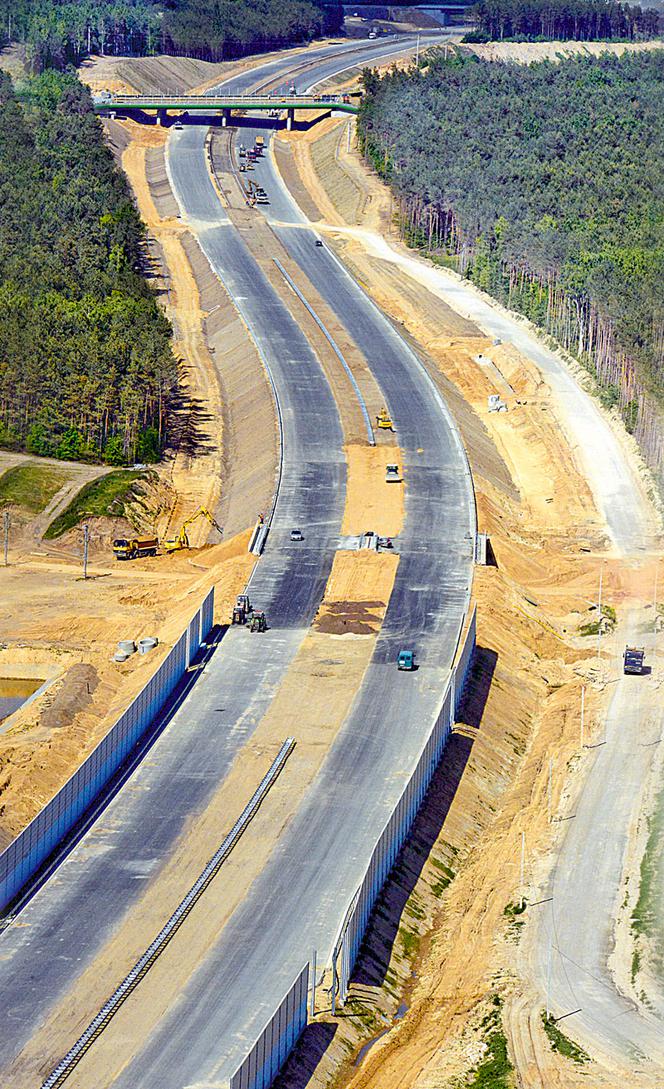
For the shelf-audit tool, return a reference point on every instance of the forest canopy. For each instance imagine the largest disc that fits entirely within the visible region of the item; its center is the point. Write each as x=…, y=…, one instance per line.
x=544, y=185
x=55, y=33
x=86, y=367
x=560, y=20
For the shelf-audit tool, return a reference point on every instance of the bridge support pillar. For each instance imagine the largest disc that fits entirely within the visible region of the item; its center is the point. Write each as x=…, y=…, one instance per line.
x=290, y=117
x=225, y=118
x=162, y=117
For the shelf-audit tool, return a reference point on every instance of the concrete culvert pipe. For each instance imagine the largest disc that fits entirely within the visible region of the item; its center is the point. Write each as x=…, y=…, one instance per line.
x=126, y=646
x=120, y=656
x=144, y=645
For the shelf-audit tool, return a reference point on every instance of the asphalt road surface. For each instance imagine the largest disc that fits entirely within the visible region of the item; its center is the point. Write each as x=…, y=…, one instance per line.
x=83, y=904
x=86, y=900
x=300, y=899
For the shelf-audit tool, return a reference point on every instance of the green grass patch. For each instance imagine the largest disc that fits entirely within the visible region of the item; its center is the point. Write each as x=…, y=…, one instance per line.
x=561, y=1043
x=410, y=942
x=643, y=914
x=636, y=964
x=446, y=876
x=104, y=498
x=592, y=628
x=515, y=909
x=31, y=486
x=495, y=1070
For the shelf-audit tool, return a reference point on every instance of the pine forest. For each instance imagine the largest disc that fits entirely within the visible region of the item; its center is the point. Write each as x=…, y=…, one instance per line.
x=542, y=184
x=86, y=367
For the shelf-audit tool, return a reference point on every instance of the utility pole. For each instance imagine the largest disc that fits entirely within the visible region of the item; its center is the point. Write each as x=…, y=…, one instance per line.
x=548, y=978
x=523, y=870
x=549, y=788
x=348, y=135
x=417, y=53
x=5, y=528
x=86, y=539
x=599, y=622
x=583, y=709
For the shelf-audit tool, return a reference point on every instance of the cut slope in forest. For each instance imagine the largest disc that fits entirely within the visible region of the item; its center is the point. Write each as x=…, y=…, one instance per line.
x=542, y=185
x=55, y=33
x=86, y=368
x=581, y=20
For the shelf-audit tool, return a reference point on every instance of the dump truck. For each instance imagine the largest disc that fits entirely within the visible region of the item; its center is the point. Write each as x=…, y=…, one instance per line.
x=260, y=142
x=137, y=546
x=633, y=660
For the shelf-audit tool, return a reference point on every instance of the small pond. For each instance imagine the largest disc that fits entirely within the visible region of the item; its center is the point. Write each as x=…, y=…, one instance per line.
x=14, y=691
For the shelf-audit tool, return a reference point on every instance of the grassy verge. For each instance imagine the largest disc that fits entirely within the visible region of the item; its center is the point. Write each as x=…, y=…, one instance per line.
x=646, y=913
x=104, y=498
x=561, y=1043
x=608, y=616
x=495, y=1070
x=31, y=486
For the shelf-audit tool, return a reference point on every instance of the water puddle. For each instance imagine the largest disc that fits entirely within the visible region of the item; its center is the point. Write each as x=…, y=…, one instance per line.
x=364, y=1051
x=14, y=691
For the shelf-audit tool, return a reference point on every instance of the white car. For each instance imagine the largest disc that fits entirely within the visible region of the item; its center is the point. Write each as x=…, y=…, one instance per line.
x=296, y=535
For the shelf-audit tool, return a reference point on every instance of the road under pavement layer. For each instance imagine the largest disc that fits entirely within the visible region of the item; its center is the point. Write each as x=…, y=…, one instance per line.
x=79, y=909
x=82, y=905
x=298, y=902
x=588, y=885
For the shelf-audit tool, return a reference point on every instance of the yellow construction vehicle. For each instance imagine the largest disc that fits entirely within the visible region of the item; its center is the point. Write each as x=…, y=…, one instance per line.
x=174, y=544
x=384, y=420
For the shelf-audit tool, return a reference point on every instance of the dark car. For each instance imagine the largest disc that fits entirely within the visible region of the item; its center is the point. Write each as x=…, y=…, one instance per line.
x=318, y=242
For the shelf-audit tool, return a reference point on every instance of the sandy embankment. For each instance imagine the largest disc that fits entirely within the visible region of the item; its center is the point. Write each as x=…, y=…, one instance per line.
x=550, y=543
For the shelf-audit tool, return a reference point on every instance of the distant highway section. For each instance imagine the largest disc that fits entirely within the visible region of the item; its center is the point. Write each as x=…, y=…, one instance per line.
x=298, y=902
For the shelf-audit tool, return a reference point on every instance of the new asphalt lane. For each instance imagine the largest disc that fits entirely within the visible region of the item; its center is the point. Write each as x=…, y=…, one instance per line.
x=299, y=901
x=83, y=904
x=132, y=839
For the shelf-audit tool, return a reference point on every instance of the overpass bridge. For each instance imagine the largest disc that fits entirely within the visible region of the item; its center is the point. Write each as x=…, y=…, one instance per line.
x=224, y=104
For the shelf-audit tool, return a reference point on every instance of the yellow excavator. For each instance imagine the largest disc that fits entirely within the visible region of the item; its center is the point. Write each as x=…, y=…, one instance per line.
x=174, y=544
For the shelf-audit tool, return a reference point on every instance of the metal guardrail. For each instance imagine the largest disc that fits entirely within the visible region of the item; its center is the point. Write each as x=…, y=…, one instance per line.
x=335, y=348
x=221, y=101
x=64, y=1068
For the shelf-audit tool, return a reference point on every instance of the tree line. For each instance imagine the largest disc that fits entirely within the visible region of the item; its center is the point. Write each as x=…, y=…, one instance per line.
x=543, y=185
x=55, y=33
x=86, y=367
x=559, y=20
